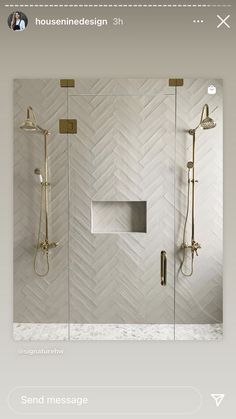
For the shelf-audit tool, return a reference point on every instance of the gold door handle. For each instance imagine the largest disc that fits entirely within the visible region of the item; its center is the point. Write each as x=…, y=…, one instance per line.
x=163, y=267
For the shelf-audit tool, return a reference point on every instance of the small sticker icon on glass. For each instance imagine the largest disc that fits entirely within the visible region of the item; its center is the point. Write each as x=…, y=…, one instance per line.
x=211, y=90
x=218, y=398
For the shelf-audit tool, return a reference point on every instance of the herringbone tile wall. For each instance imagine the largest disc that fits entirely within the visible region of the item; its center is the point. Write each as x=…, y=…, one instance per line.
x=125, y=150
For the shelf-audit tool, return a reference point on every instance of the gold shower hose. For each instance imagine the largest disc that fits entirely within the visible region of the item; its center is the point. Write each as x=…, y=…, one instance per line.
x=184, y=232
x=38, y=238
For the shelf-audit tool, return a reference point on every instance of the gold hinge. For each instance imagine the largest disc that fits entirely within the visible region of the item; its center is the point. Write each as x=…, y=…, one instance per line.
x=176, y=82
x=67, y=83
x=68, y=126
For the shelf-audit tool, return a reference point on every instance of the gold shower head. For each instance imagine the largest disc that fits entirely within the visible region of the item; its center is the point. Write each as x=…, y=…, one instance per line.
x=30, y=125
x=207, y=122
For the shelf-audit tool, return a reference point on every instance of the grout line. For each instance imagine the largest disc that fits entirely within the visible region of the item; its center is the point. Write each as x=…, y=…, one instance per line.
x=118, y=5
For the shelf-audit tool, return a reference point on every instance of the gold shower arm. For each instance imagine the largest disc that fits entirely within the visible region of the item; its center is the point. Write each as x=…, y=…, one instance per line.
x=30, y=111
x=205, y=110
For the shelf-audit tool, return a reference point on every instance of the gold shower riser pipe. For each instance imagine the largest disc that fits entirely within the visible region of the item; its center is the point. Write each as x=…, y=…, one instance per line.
x=205, y=123
x=193, y=187
x=46, y=182
x=194, y=246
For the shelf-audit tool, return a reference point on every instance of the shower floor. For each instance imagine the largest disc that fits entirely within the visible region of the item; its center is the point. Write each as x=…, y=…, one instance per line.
x=76, y=332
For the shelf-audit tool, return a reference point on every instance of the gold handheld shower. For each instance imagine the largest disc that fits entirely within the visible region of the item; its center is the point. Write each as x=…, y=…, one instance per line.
x=39, y=174
x=30, y=125
x=205, y=123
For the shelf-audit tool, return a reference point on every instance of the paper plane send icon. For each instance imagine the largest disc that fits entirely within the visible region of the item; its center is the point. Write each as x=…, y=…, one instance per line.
x=218, y=398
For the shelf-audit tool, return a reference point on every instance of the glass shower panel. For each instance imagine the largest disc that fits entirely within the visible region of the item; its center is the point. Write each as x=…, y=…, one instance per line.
x=121, y=212
x=198, y=299
x=40, y=288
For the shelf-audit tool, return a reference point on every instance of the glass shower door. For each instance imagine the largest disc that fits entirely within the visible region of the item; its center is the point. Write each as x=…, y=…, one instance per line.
x=121, y=211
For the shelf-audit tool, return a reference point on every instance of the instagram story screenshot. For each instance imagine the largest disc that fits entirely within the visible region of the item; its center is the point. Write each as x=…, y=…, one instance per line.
x=118, y=203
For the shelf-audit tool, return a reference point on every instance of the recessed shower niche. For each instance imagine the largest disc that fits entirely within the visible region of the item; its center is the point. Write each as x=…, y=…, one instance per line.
x=118, y=226
x=119, y=217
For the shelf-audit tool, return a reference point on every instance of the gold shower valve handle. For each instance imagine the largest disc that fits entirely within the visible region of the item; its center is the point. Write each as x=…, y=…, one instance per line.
x=195, y=246
x=45, y=184
x=45, y=245
x=52, y=245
